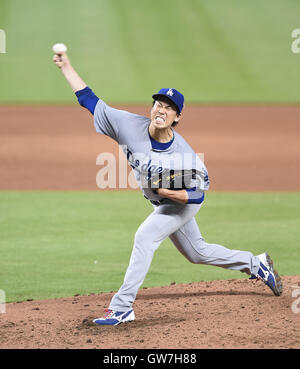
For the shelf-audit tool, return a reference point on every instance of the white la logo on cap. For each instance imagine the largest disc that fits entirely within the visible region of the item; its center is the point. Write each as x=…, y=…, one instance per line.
x=170, y=92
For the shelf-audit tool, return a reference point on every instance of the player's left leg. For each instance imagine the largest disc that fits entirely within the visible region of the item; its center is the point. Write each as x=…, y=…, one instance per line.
x=165, y=220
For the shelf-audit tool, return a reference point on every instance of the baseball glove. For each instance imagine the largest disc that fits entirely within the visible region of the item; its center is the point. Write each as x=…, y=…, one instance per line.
x=174, y=179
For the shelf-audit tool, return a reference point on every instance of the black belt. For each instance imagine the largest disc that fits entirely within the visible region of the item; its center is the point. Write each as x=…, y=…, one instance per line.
x=157, y=202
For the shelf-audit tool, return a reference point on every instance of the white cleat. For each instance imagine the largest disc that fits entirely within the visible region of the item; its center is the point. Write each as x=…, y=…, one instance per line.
x=112, y=317
x=268, y=274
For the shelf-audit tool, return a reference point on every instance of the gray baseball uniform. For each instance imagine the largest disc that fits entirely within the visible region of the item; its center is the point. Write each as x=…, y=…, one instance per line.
x=169, y=219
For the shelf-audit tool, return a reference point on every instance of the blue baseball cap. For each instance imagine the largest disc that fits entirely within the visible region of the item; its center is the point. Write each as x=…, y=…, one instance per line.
x=175, y=96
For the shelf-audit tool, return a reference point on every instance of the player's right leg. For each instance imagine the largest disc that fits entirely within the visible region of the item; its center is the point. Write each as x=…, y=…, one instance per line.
x=191, y=244
x=189, y=241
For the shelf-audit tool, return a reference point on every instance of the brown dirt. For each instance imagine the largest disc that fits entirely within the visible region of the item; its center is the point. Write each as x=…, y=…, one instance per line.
x=216, y=314
x=246, y=149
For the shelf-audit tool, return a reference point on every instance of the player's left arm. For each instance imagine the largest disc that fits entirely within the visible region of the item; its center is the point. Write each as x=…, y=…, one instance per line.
x=180, y=196
x=189, y=196
x=189, y=189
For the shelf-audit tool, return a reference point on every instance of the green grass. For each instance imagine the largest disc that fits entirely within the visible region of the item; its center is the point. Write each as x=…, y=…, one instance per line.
x=56, y=244
x=214, y=51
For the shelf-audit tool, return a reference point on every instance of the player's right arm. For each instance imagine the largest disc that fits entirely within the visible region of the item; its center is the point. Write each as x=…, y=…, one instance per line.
x=74, y=80
x=106, y=119
x=85, y=95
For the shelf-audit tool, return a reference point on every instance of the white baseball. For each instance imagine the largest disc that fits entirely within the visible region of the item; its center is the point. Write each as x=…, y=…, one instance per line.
x=59, y=48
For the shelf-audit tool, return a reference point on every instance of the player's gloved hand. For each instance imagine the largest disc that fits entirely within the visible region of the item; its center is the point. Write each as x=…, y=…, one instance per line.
x=175, y=179
x=61, y=60
x=152, y=195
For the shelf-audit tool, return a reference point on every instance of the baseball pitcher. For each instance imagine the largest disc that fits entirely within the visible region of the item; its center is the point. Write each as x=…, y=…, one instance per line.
x=174, y=179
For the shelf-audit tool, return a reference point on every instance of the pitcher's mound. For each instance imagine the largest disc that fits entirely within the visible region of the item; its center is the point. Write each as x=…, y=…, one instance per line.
x=236, y=313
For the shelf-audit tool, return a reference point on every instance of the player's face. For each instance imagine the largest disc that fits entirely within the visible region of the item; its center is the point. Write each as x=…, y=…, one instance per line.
x=163, y=115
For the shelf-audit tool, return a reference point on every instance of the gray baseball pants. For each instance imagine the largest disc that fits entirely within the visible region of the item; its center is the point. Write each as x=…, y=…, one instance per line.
x=176, y=221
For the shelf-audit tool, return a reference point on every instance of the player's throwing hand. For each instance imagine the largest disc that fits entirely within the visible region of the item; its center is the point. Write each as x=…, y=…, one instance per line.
x=61, y=59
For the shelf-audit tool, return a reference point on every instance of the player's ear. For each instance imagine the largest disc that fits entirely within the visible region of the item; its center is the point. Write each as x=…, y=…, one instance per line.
x=178, y=117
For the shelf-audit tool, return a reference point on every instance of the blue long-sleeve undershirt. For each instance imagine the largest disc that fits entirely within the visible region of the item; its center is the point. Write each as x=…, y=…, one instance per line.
x=88, y=100
x=195, y=197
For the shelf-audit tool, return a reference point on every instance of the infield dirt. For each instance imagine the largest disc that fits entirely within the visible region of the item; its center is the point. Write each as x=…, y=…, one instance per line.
x=215, y=314
x=246, y=149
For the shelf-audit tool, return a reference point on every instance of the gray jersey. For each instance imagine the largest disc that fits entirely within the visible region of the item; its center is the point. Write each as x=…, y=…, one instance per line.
x=131, y=132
